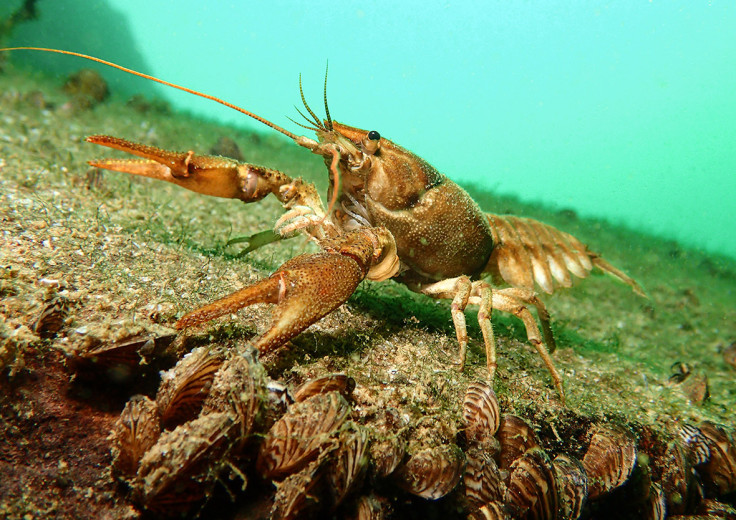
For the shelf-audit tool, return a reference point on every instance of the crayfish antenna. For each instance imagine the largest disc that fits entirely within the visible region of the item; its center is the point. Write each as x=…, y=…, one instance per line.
x=163, y=82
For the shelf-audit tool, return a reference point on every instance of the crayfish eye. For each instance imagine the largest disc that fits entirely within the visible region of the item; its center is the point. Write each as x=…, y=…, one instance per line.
x=371, y=142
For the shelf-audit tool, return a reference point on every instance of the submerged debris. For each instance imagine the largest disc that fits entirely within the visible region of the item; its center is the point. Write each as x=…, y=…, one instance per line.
x=227, y=147
x=25, y=12
x=729, y=354
x=87, y=83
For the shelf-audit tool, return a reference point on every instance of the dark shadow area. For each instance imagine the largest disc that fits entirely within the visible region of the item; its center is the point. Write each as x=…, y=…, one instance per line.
x=92, y=28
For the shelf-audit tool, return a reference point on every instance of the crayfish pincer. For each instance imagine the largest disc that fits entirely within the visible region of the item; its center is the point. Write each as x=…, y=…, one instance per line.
x=390, y=215
x=306, y=288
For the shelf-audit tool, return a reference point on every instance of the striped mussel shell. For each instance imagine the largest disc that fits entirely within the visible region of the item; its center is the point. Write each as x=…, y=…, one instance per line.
x=182, y=467
x=388, y=443
x=482, y=478
x=655, y=507
x=431, y=472
x=719, y=473
x=515, y=437
x=185, y=387
x=349, y=462
x=298, y=495
x=117, y=360
x=677, y=480
x=716, y=510
x=277, y=401
x=386, y=454
x=532, y=488
x=729, y=354
x=51, y=318
x=490, y=511
x=135, y=431
x=572, y=485
x=695, y=443
x=609, y=460
x=369, y=507
x=331, y=383
x=480, y=412
x=297, y=438
x=238, y=388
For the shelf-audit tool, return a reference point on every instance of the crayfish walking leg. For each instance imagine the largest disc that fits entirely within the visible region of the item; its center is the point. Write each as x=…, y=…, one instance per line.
x=463, y=292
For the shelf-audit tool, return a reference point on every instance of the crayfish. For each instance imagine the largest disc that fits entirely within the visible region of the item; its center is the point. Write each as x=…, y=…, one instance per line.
x=390, y=215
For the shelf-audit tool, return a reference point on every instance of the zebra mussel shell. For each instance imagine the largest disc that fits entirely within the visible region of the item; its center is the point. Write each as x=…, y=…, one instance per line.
x=516, y=437
x=572, y=484
x=177, y=470
x=432, y=472
x=696, y=444
x=299, y=493
x=729, y=354
x=387, y=454
x=299, y=436
x=349, y=462
x=655, y=506
x=677, y=479
x=480, y=412
x=331, y=383
x=238, y=388
x=369, y=507
x=610, y=459
x=185, y=387
x=117, y=360
x=388, y=445
x=491, y=511
x=716, y=510
x=482, y=478
x=51, y=318
x=135, y=431
x=532, y=489
x=719, y=473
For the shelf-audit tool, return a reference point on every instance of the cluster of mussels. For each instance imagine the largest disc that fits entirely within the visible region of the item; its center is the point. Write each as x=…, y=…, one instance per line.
x=218, y=416
x=508, y=475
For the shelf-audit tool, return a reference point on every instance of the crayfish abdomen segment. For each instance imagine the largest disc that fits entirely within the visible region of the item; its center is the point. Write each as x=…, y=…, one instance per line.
x=527, y=251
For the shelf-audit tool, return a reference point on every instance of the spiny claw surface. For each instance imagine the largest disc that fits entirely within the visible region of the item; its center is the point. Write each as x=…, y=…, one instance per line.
x=304, y=290
x=207, y=174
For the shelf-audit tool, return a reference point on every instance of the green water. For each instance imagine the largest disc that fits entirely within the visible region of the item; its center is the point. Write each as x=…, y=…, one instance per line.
x=625, y=111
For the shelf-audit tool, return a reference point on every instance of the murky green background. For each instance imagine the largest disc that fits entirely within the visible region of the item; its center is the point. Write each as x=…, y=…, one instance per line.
x=623, y=110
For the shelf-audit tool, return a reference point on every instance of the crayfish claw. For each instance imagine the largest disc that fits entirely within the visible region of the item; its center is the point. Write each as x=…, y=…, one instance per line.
x=206, y=174
x=304, y=289
x=265, y=291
